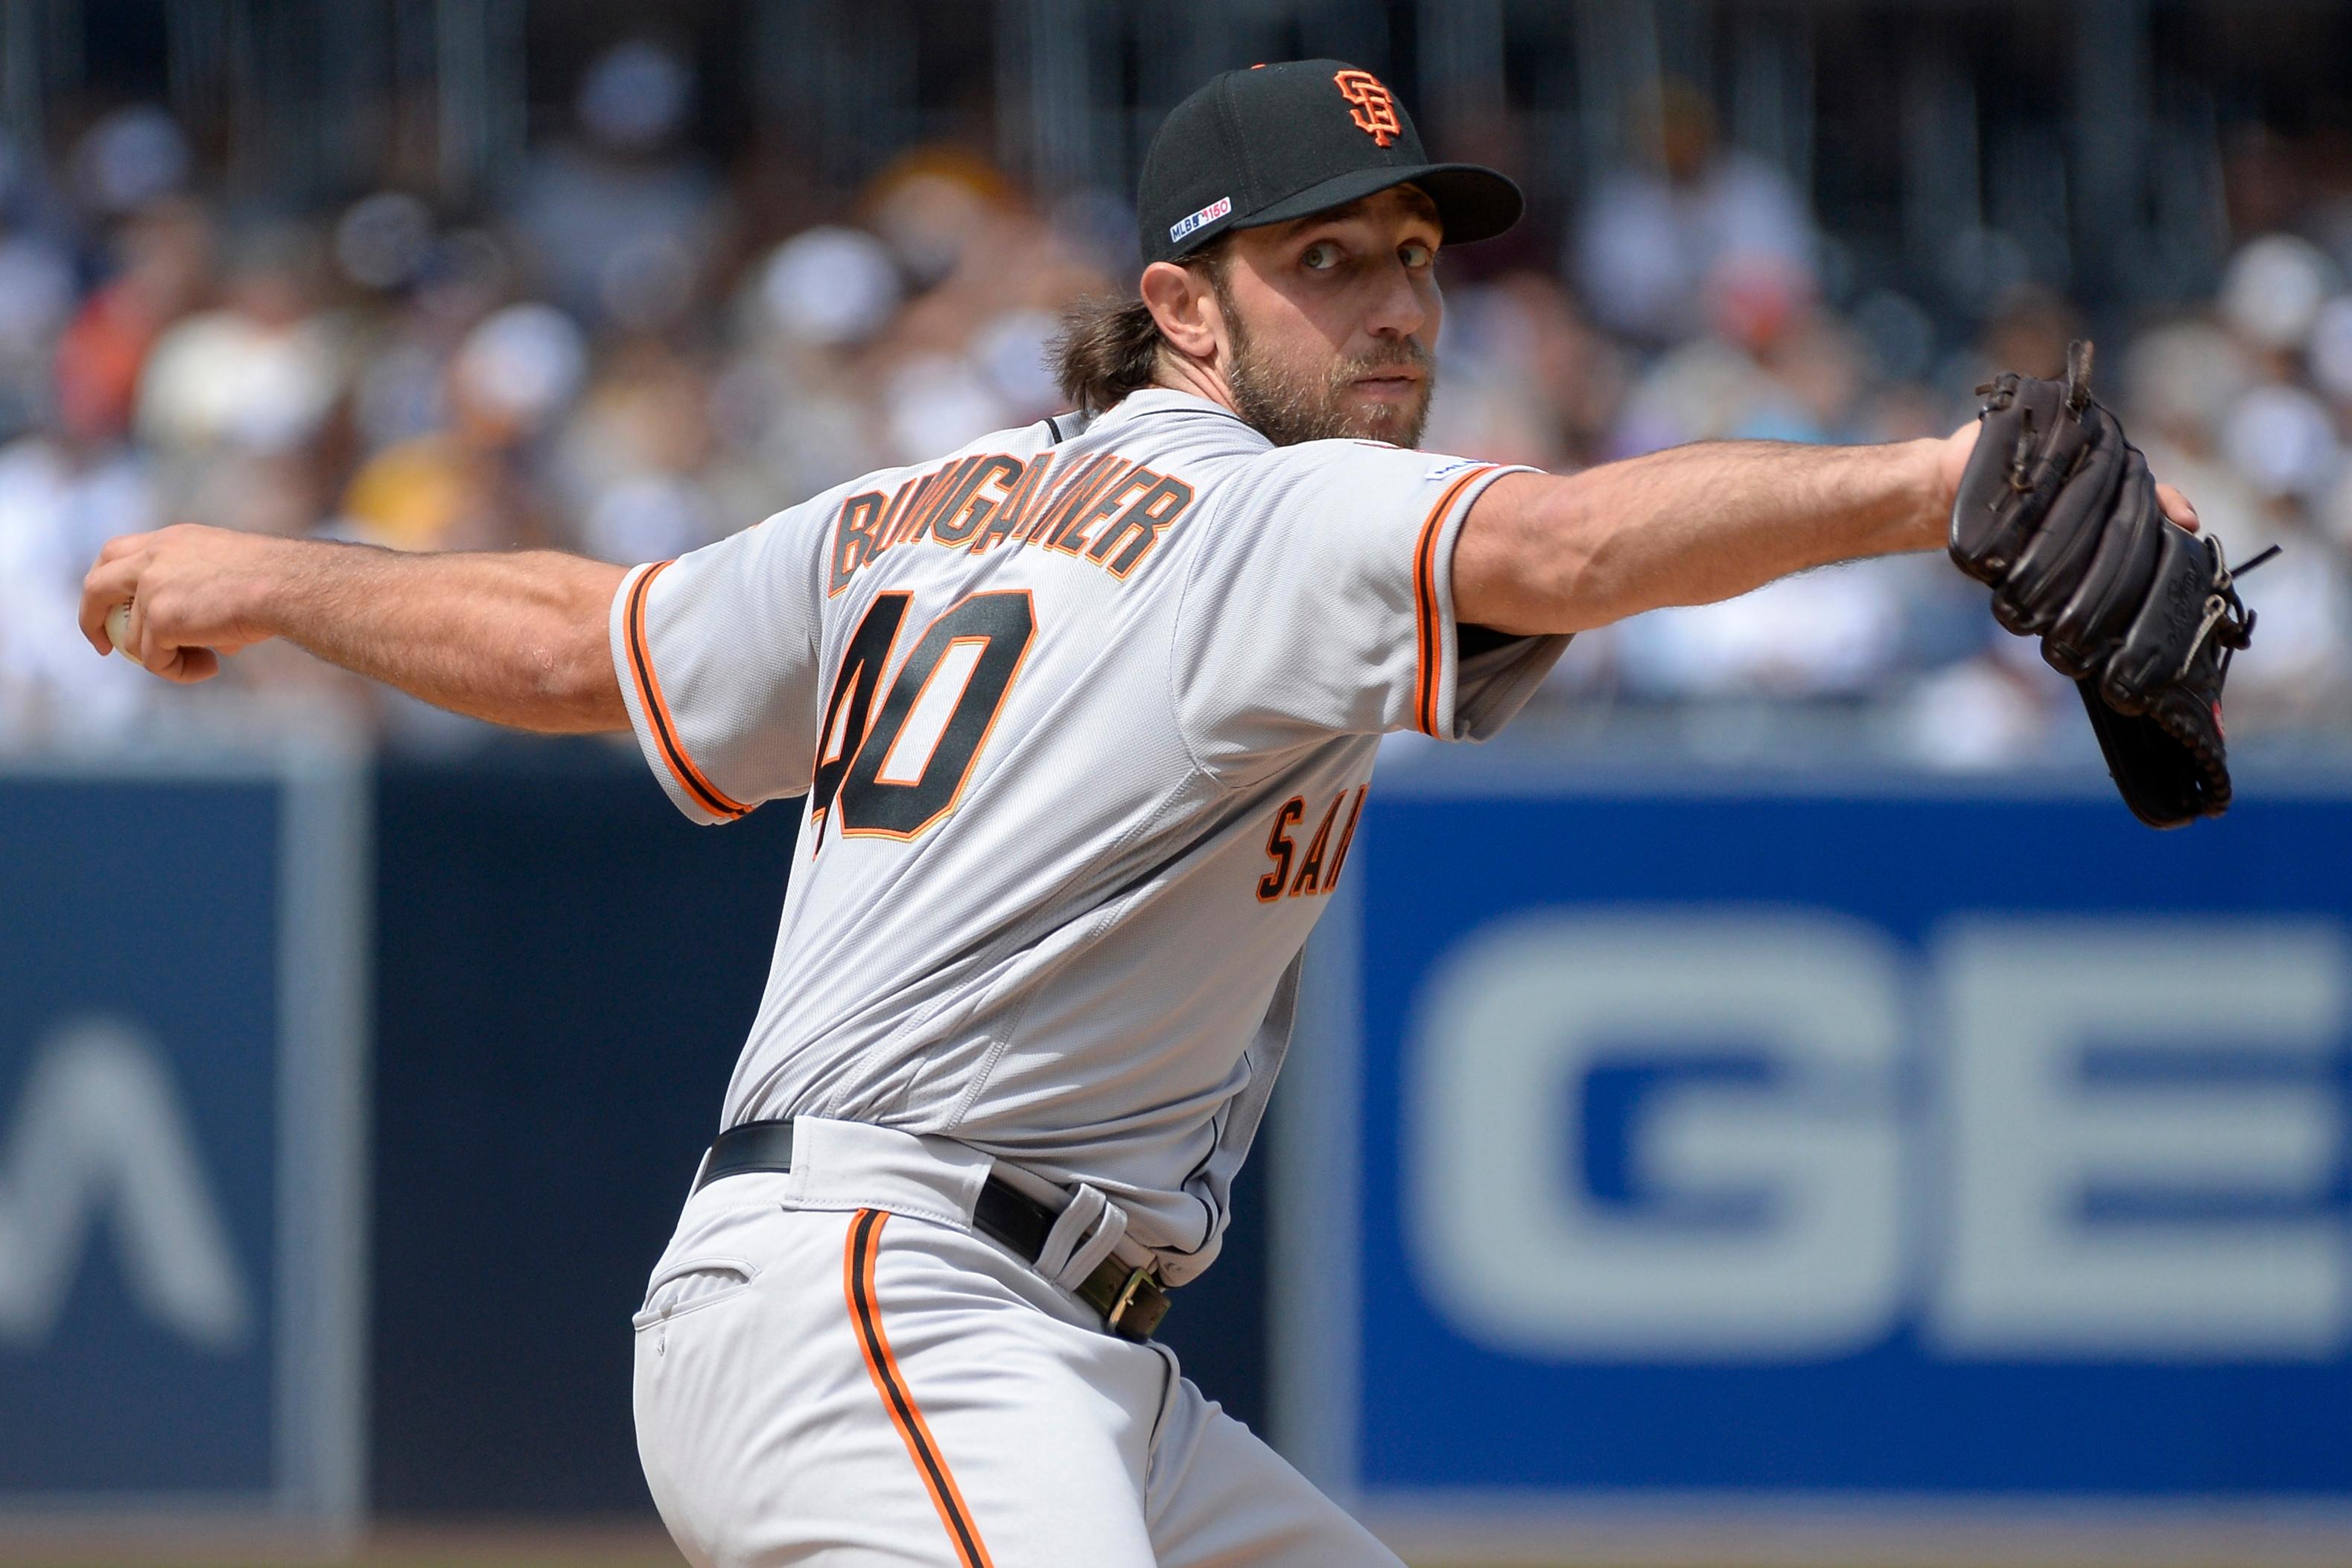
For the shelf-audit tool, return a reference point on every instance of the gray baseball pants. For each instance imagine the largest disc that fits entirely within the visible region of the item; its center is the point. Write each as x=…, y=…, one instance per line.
x=833, y=1370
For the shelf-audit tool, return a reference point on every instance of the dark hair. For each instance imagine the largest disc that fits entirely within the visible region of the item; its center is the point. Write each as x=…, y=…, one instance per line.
x=1110, y=346
x=1107, y=349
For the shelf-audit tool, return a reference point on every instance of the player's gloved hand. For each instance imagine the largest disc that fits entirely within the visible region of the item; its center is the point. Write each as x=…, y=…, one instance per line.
x=2058, y=513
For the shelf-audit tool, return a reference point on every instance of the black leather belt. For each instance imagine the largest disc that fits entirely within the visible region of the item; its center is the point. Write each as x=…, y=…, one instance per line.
x=1132, y=1301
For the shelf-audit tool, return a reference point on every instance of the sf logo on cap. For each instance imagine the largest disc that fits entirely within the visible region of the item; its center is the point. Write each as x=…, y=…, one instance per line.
x=1374, y=111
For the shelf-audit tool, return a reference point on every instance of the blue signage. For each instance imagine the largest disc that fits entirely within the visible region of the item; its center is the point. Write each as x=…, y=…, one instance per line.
x=180, y=1220
x=1821, y=1146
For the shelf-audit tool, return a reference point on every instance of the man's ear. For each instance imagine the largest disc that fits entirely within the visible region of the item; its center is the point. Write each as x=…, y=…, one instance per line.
x=1185, y=306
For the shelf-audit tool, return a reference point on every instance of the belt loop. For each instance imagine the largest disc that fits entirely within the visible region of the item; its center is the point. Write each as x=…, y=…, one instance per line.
x=1089, y=1225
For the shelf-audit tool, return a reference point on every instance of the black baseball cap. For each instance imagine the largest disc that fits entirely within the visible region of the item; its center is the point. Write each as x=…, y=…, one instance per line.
x=1281, y=141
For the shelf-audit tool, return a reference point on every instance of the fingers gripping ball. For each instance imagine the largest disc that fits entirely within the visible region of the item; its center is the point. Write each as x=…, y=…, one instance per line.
x=118, y=631
x=2058, y=514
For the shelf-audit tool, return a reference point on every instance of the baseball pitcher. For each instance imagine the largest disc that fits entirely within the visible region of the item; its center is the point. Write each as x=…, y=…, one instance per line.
x=1082, y=718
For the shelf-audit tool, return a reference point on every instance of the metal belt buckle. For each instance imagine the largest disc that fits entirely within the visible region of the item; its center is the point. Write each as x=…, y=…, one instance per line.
x=1140, y=1305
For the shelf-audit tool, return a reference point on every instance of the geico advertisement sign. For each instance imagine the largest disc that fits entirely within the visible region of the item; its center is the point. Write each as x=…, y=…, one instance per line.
x=2069, y=1139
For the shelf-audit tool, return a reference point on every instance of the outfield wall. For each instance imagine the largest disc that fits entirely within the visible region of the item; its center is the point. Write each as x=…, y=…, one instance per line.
x=1664, y=1166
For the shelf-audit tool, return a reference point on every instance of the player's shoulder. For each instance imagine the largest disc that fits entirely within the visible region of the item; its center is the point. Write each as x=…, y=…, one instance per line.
x=1340, y=461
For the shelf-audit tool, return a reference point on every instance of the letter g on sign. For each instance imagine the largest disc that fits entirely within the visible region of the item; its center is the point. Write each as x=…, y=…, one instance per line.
x=1514, y=1247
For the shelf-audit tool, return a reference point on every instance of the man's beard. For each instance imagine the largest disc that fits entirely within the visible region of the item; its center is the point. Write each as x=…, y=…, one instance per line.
x=1287, y=407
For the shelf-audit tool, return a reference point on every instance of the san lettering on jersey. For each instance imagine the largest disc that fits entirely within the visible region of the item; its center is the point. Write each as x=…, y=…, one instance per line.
x=1107, y=509
x=1318, y=870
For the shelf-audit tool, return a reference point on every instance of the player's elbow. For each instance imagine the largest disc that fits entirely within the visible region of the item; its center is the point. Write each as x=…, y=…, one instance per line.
x=578, y=694
x=565, y=655
x=563, y=680
x=1570, y=592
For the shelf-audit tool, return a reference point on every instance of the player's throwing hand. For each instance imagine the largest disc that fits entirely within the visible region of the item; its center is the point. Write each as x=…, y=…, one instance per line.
x=192, y=593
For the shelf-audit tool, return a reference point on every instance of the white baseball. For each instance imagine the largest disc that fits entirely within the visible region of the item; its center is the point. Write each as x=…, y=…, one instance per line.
x=118, y=631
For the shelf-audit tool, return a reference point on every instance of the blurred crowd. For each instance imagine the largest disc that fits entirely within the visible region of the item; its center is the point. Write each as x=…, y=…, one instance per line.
x=633, y=352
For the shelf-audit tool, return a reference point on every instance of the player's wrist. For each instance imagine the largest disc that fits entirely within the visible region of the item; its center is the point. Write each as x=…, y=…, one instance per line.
x=1929, y=478
x=260, y=584
x=1949, y=459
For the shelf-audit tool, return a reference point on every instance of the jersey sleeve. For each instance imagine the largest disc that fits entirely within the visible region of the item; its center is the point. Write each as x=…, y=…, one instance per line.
x=716, y=654
x=1321, y=600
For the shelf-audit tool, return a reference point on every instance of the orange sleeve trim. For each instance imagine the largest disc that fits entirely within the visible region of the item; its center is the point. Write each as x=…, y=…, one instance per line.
x=690, y=777
x=1429, y=626
x=866, y=1313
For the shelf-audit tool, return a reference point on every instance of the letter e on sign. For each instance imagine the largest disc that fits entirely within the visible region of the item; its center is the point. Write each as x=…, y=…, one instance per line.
x=2033, y=1267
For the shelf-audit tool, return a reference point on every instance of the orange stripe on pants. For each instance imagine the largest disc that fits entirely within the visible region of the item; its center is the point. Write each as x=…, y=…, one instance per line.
x=866, y=1315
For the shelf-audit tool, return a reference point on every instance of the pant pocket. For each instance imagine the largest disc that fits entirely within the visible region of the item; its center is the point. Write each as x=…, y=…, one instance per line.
x=692, y=1284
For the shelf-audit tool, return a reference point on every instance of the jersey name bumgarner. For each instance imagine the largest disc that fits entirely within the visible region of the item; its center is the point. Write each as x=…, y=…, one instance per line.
x=1106, y=510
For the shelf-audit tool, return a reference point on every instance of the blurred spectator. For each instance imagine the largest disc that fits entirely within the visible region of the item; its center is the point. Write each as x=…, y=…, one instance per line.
x=1655, y=238
x=620, y=219
x=469, y=484
x=634, y=454
x=1984, y=713
x=37, y=291
x=65, y=490
x=231, y=399
x=130, y=158
x=1832, y=633
x=1526, y=378
x=831, y=288
x=2180, y=382
x=400, y=390
x=2272, y=291
x=163, y=257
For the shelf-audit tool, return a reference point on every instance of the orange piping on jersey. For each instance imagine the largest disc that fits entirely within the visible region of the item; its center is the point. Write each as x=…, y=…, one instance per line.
x=690, y=777
x=890, y=1382
x=1429, y=626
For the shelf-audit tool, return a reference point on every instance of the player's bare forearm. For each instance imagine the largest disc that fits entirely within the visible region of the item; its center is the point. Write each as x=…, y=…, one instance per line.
x=516, y=639
x=1691, y=525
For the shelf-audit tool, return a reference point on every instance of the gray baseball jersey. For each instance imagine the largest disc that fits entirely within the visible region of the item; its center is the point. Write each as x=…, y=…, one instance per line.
x=1084, y=714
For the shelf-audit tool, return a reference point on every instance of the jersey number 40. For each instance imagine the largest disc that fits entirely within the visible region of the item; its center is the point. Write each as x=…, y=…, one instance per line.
x=896, y=778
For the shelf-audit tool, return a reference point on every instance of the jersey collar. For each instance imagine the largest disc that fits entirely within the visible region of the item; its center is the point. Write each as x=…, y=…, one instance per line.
x=1168, y=400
